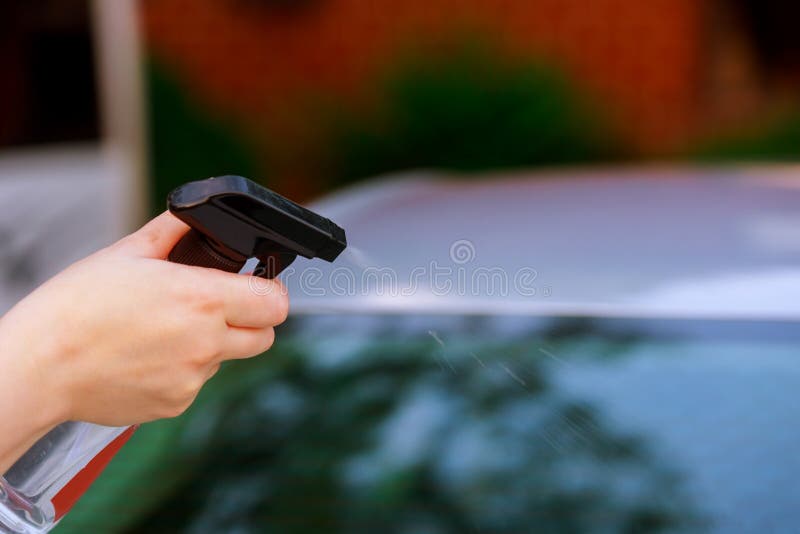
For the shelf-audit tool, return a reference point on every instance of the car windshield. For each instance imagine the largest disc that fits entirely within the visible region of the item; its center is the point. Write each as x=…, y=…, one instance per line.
x=421, y=423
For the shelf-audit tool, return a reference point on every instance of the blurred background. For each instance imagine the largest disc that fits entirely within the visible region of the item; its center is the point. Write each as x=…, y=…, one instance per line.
x=106, y=106
x=308, y=95
x=105, y=109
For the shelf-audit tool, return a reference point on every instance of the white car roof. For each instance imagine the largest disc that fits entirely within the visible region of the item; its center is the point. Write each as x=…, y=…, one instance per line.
x=639, y=242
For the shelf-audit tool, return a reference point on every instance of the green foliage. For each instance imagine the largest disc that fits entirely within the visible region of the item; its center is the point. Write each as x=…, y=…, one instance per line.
x=186, y=142
x=777, y=141
x=469, y=111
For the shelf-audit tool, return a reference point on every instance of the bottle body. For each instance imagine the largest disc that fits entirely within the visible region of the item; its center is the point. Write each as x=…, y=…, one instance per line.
x=47, y=480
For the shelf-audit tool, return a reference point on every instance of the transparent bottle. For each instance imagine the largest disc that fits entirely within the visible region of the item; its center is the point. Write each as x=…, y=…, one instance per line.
x=50, y=477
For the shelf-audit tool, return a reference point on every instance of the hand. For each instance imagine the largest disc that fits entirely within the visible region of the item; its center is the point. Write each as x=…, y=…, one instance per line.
x=124, y=337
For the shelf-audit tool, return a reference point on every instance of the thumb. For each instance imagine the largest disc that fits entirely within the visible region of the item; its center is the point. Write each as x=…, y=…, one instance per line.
x=156, y=238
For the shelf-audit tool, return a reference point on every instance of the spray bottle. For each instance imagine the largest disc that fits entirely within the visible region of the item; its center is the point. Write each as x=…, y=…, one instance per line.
x=232, y=219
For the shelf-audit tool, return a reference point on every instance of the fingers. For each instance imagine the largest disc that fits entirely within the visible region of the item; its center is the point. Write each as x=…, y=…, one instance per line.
x=247, y=302
x=247, y=342
x=156, y=238
x=252, y=302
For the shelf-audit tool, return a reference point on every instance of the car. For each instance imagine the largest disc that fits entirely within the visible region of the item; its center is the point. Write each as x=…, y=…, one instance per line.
x=608, y=350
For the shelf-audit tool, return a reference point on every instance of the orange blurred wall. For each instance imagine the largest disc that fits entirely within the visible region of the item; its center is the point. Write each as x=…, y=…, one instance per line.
x=639, y=59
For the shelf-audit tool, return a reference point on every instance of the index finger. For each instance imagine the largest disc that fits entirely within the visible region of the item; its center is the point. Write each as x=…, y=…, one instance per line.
x=252, y=302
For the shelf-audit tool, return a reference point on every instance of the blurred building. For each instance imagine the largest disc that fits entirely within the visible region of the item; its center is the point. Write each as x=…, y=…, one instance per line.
x=666, y=72
x=248, y=86
x=72, y=158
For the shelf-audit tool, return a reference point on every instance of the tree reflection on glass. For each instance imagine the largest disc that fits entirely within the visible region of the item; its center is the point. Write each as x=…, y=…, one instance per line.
x=412, y=430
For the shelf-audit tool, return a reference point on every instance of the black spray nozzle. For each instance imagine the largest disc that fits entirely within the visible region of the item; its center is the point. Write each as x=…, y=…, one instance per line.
x=233, y=219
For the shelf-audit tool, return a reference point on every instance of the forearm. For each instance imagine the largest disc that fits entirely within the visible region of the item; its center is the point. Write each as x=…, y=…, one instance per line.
x=27, y=409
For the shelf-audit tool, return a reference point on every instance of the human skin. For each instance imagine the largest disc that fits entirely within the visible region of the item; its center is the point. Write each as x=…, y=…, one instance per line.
x=124, y=337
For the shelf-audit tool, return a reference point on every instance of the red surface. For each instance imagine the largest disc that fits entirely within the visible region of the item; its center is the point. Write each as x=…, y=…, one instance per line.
x=75, y=488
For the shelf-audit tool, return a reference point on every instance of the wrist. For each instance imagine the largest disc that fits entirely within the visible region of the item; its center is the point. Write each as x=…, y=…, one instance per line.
x=24, y=414
x=26, y=384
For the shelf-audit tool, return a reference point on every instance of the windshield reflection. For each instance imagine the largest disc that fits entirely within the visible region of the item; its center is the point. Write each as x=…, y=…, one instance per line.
x=467, y=424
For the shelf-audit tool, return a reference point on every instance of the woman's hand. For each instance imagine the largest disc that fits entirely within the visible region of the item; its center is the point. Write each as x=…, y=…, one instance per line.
x=124, y=337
